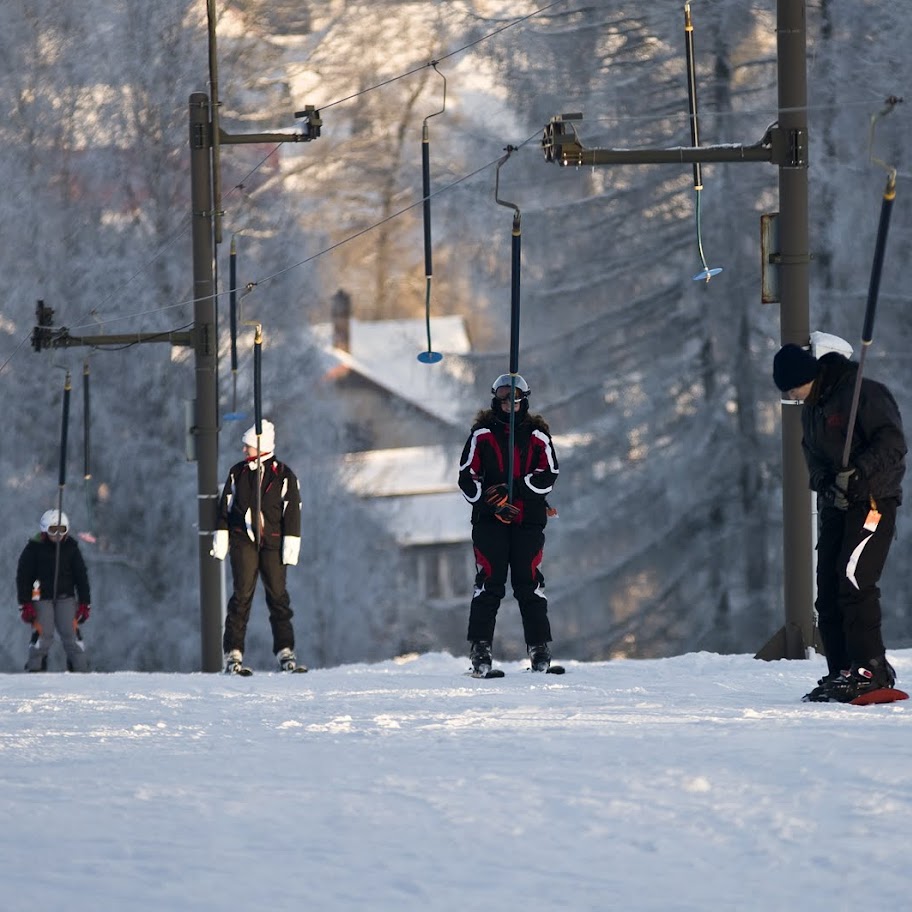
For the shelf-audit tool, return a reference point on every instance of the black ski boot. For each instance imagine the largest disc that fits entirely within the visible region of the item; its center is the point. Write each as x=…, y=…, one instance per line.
x=539, y=656
x=818, y=694
x=480, y=656
x=860, y=680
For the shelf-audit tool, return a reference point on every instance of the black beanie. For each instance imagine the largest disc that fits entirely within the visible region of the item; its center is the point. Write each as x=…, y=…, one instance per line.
x=793, y=366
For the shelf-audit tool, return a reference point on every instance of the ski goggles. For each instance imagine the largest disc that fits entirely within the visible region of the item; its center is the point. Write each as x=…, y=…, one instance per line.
x=503, y=393
x=57, y=530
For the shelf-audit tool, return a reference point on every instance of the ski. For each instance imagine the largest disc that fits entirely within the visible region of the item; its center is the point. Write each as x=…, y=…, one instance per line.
x=242, y=671
x=298, y=669
x=551, y=670
x=492, y=673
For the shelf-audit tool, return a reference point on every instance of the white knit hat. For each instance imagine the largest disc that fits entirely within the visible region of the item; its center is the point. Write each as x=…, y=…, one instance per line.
x=267, y=438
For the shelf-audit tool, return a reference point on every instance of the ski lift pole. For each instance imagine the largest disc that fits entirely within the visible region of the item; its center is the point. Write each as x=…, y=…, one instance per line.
x=516, y=265
x=883, y=227
x=707, y=273
x=429, y=356
x=61, y=481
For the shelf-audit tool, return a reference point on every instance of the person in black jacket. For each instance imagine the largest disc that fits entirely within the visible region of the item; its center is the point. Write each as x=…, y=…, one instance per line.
x=857, y=511
x=259, y=545
x=508, y=532
x=52, y=587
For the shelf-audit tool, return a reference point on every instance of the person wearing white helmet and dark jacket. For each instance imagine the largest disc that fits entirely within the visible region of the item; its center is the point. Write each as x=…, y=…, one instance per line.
x=857, y=511
x=52, y=587
x=279, y=530
x=508, y=535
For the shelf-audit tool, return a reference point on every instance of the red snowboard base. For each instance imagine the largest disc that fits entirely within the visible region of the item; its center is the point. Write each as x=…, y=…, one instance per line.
x=884, y=695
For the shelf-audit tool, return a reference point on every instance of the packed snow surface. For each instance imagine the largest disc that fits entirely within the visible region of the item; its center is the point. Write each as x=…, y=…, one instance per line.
x=690, y=783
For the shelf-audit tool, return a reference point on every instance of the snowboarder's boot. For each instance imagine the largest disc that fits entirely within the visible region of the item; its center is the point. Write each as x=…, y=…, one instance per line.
x=539, y=656
x=860, y=680
x=480, y=656
x=234, y=662
x=818, y=694
x=287, y=660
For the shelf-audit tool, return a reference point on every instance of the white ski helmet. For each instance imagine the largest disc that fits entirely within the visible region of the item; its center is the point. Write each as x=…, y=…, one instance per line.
x=54, y=518
x=507, y=380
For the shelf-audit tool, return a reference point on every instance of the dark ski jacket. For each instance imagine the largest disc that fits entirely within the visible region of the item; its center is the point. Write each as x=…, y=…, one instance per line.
x=484, y=463
x=37, y=562
x=280, y=503
x=878, y=444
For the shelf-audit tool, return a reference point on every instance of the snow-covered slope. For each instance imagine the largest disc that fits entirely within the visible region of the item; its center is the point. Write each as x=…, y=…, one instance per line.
x=691, y=783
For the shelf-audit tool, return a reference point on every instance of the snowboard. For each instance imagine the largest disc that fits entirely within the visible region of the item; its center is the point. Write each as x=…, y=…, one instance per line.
x=883, y=695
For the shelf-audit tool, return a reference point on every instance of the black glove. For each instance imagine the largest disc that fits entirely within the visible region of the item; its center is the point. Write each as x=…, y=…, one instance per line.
x=849, y=487
x=496, y=495
x=507, y=513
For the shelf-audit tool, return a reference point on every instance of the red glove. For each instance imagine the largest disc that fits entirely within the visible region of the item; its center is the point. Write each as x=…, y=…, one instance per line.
x=496, y=495
x=82, y=613
x=28, y=614
x=507, y=513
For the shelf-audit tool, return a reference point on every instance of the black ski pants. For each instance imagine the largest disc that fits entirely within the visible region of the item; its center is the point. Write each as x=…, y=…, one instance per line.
x=850, y=560
x=246, y=565
x=518, y=549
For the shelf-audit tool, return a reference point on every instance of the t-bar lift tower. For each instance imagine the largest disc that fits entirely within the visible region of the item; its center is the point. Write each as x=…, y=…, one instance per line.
x=785, y=144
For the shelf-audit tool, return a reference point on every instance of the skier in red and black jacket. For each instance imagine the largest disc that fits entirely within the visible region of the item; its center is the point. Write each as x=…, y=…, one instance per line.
x=508, y=533
x=279, y=544
x=857, y=511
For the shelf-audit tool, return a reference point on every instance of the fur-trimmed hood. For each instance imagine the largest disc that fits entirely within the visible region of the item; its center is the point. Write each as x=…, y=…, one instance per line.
x=487, y=416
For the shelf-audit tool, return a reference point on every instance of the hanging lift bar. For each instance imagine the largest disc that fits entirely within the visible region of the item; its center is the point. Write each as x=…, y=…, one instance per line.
x=707, y=273
x=867, y=333
x=429, y=356
x=61, y=481
x=514, y=310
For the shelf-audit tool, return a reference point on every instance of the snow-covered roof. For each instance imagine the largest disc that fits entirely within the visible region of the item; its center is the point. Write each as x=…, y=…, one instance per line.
x=414, y=490
x=402, y=471
x=427, y=519
x=385, y=352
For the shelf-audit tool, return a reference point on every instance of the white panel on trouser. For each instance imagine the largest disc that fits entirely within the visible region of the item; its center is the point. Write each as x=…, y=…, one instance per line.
x=853, y=560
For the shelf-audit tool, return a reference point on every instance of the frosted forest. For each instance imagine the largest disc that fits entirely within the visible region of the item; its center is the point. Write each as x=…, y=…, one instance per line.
x=670, y=531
